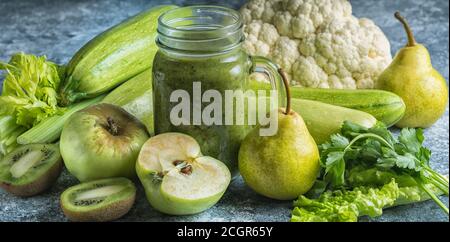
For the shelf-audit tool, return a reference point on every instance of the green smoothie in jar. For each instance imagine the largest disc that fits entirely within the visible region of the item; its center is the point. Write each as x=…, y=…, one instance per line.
x=200, y=50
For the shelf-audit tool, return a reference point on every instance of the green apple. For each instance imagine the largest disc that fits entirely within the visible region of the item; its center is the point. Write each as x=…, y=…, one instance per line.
x=102, y=141
x=177, y=178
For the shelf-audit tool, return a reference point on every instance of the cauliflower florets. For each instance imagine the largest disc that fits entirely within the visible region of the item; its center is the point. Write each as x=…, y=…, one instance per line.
x=317, y=42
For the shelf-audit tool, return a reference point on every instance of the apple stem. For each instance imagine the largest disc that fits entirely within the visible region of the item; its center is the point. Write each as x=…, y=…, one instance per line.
x=411, y=39
x=113, y=127
x=288, y=90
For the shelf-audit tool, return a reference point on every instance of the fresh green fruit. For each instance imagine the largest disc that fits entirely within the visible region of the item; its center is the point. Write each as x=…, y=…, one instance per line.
x=30, y=169
x=135, y=96
x=102, y=200
x=323, y=119
x=282, y=166
x=385, y=106
x=177, y=179
x=412, y=77
x=112, y=57
x=102, y=141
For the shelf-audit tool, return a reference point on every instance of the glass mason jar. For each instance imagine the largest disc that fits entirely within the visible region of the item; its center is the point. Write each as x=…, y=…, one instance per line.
x=200, y=46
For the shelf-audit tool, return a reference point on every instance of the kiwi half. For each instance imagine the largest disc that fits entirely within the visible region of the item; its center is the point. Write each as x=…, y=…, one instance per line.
x=98, y=201
x=30, y=169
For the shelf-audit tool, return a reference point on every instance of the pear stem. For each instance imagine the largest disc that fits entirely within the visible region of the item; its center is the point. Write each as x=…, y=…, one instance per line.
x=288, y=90
x=411, y=39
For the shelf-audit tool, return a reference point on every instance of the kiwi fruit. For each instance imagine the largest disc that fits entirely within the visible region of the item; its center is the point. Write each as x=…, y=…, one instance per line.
x=30, y=169
x=98, y=201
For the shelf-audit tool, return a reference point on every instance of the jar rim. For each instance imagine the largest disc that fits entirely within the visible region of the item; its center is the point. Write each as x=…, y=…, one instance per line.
x=205, y=28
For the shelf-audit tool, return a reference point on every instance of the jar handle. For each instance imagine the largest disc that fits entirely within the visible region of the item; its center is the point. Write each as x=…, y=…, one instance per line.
x=273, y=72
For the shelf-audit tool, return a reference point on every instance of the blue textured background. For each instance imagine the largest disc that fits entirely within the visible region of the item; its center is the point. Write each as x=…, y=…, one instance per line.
x=58, y=28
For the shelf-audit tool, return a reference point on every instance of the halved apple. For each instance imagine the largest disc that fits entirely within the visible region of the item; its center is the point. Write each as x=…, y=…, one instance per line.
x=177, y=178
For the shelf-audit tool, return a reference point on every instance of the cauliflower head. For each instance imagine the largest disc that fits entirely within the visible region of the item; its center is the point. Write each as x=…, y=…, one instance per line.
x=319, y=43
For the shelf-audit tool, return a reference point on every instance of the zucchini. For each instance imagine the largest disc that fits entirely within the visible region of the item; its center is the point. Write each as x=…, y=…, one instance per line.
x=112, y=57
x=135, y=96
x=324, y=119
x=385, y=106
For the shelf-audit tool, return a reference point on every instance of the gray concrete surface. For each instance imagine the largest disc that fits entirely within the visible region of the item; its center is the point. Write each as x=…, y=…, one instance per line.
x=58, y=28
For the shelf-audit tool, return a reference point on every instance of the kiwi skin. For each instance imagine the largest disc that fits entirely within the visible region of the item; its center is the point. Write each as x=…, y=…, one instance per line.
x=40, y=185
x=102, y=214
x=110, y=213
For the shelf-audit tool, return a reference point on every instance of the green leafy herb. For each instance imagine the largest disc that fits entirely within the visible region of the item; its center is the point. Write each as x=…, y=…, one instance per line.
x=30, y=89
x=377, y=147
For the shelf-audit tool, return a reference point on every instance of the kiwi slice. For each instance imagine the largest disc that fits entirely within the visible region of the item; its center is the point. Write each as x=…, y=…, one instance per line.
x=30, y=169
x=98, y=201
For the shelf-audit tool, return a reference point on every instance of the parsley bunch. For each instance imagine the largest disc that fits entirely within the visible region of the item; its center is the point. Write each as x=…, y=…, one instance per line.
x=377, y=147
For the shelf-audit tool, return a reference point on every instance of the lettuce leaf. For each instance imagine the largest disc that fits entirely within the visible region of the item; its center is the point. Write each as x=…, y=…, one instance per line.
x=409, y=190
x=345, y=206
x=30, y=89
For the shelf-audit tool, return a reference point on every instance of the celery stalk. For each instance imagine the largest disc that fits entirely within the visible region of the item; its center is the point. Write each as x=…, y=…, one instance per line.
x=3, y=149
x=11, y=148
x=12, y=131
x=9, y=131
x=13, y=137
x=7, y=126
x=49, y=130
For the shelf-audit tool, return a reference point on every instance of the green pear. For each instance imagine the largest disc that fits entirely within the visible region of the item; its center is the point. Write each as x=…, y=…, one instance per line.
x=412, y=77
x=282, y=166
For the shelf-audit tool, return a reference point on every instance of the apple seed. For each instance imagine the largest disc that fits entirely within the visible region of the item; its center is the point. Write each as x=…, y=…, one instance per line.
x=187, y=170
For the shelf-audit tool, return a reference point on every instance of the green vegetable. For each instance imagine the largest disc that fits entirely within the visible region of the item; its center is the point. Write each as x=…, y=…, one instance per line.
x=49, y=130
x=345, y=206
x=29, y=89
x=377, y=147
x=384, y=106
x=135, y=96
x=9, y=131
x=112, y=57
x=408, y=195
x=409, y=190
x=324, y=120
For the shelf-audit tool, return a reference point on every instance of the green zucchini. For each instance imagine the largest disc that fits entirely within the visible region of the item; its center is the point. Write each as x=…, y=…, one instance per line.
x=112, y=57
x=385, y=106
x=324, y=119
x=135, y=96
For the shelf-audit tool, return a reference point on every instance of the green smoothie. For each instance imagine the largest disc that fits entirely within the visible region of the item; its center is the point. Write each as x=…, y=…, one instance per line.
x=220, y=72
